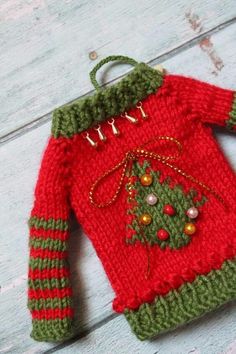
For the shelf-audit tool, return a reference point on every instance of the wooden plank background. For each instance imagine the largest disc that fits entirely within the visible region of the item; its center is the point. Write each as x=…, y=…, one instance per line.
x=47, y=50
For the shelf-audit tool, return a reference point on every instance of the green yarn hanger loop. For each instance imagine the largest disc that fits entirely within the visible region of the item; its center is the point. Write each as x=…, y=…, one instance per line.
x=120, y=58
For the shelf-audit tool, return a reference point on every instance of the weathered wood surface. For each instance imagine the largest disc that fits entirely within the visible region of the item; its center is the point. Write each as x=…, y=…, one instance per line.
x=210, y=58
x=45, y=45
x=189, y=339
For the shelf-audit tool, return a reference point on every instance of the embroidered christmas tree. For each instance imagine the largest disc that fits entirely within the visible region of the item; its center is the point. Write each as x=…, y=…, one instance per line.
x=157, y=213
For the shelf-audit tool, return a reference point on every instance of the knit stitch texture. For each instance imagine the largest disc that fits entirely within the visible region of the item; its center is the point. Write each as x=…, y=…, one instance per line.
x=192, y=262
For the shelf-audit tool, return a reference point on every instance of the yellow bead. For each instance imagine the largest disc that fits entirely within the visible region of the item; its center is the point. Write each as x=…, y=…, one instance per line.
x=146, y=179
x=145, y=219
x=189, y=228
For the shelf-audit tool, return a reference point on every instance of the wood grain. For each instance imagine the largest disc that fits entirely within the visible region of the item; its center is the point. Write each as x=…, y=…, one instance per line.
x=212, y=58
x=46, y=46
x=187, y=340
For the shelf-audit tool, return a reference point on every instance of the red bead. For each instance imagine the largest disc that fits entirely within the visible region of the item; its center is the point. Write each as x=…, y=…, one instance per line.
x=169, y=209
x=162, y=234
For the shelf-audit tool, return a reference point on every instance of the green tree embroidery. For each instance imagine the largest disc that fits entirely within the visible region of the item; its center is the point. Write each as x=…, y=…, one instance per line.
x=176, y=197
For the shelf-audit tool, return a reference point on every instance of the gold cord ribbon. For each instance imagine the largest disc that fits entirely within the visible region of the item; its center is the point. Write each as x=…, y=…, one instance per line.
x=136, y=153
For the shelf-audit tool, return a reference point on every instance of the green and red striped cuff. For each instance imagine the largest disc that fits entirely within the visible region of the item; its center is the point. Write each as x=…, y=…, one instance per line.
x=49, y=288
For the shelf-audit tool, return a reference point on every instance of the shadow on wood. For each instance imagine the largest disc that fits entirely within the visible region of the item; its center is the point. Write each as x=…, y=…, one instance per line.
x=74, y=249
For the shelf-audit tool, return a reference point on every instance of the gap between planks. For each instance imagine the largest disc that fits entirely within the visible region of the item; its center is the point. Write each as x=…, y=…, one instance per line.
x=169, y=54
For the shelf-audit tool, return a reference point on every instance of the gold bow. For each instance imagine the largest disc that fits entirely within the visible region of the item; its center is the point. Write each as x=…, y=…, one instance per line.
x=133, y=155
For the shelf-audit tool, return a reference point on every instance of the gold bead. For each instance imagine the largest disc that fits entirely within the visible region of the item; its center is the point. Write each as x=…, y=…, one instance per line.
x=146, y=179
x=145, y=219
x=189, y=228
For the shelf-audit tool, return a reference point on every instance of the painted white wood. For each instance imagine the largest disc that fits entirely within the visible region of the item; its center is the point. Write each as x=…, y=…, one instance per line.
x=19, y=161
x=45, y=45
x=211, y=59
x=207, y=335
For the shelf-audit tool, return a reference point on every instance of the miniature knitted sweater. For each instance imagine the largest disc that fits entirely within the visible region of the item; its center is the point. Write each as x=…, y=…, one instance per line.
x=138, y=164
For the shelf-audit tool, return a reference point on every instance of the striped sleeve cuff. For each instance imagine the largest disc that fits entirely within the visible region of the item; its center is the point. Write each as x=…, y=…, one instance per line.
x=49, y=288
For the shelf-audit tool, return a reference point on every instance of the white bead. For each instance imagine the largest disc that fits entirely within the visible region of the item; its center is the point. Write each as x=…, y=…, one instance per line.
x=151, y=199
x=192, y=212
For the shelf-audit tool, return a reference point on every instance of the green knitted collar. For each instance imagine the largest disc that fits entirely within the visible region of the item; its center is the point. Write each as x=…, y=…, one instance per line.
x=106, y=103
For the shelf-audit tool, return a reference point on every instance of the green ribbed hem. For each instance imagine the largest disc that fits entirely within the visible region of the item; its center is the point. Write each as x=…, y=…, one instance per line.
x=52, y=330
x=108, y=102
x=231, y=122
x=190, y=301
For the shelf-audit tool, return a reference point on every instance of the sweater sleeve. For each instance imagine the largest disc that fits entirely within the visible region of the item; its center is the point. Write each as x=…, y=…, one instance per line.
x=49, y=288
x=214, y=104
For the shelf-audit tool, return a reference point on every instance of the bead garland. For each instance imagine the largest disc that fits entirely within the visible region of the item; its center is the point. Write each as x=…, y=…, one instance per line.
x=151, y=199
x=156, y=219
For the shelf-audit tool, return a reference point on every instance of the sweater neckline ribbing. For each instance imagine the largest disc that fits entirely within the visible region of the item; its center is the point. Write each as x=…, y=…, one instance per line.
x=108, y=102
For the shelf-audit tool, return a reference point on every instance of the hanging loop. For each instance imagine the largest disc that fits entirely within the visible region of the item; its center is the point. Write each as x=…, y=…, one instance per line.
x=119, y=58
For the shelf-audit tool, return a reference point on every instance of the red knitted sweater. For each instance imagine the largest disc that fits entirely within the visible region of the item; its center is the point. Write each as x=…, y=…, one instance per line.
x=158, y=203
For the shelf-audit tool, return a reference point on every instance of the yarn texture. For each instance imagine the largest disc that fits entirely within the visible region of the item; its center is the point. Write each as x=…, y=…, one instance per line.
x=166, y=232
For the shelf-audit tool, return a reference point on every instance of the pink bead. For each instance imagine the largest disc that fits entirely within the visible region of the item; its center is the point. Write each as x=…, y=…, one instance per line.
x=151, y=199
x=192, y=212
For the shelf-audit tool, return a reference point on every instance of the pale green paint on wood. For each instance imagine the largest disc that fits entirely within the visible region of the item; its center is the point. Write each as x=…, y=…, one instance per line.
x=40, y=74
x=45, y=45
